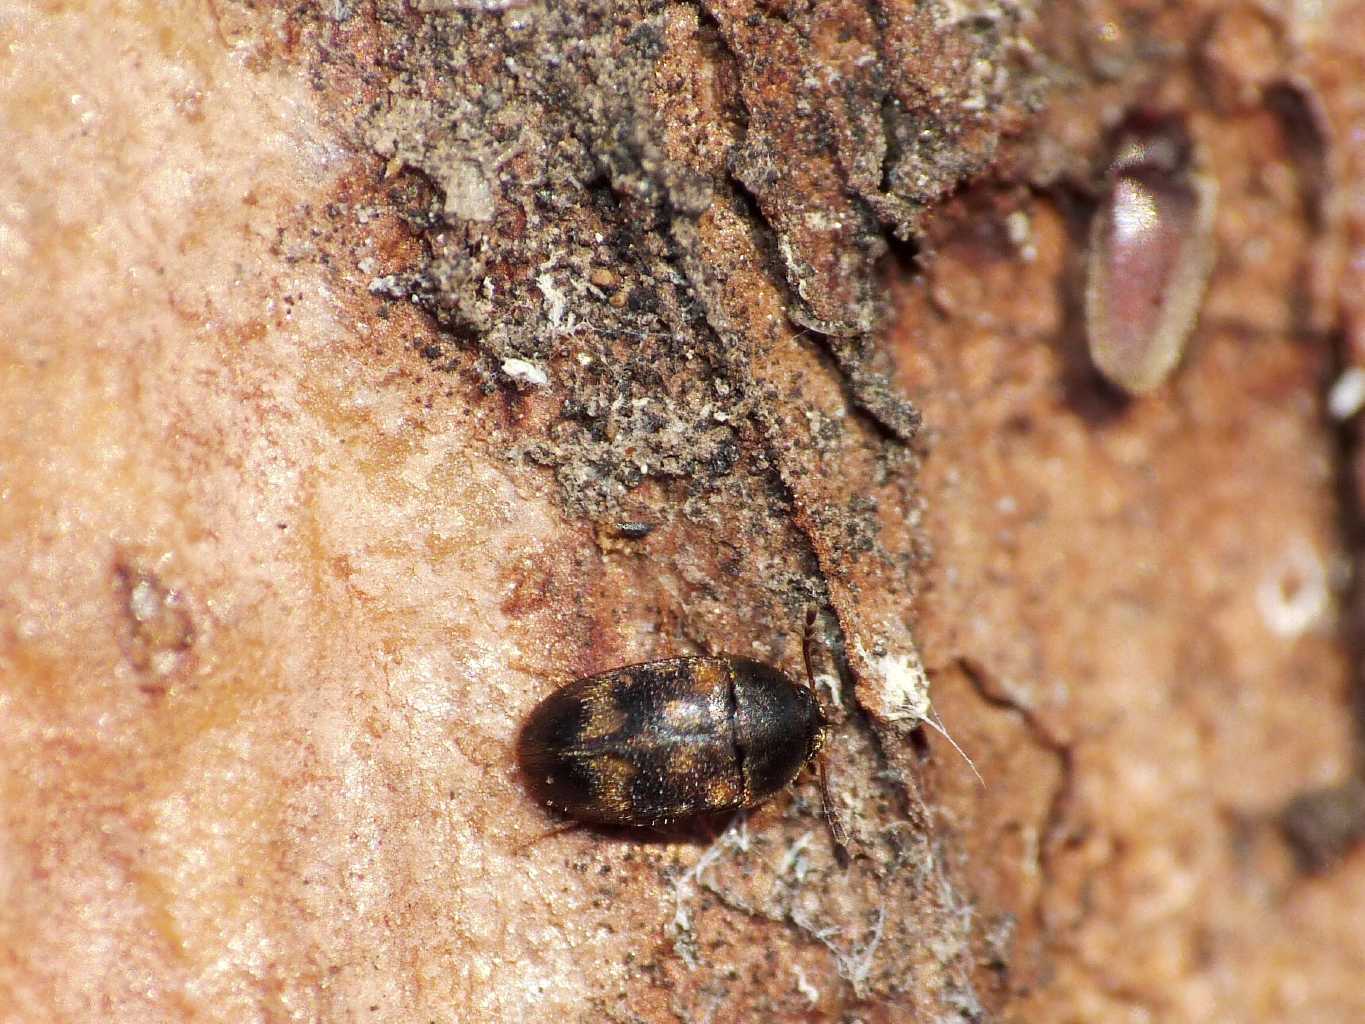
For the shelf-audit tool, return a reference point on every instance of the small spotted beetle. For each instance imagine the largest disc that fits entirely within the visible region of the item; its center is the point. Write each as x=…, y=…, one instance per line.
x=654, y=743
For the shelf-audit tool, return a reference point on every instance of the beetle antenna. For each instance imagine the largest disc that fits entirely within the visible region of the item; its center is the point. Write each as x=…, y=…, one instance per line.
x=942, y=730
x=832, y=819
x=837, y=832
x=806, y=642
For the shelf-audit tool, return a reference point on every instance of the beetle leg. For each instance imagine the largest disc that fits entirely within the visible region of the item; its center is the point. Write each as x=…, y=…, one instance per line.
x=568, y=826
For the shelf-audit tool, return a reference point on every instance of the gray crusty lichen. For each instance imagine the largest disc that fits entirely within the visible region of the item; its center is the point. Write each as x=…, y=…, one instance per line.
x=550, y=247
x=550, y=233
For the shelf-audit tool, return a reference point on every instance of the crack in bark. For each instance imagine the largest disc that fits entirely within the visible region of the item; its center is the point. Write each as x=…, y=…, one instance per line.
x=1323, y=825
x=1054, y=827
x=871, y=393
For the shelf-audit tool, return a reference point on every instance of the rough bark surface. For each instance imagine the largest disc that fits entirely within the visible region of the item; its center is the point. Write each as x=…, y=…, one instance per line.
x=346, y=347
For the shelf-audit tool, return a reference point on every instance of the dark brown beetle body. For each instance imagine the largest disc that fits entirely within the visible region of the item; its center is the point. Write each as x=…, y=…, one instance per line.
x=650, y=744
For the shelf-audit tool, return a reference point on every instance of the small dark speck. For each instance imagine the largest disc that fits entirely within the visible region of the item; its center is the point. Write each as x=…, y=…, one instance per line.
x=642, y=300
x=281, y=526
x=635, y=530
x=919, y=742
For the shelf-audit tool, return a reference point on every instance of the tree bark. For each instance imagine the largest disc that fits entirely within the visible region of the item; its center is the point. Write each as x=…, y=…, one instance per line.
x=370, y=370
